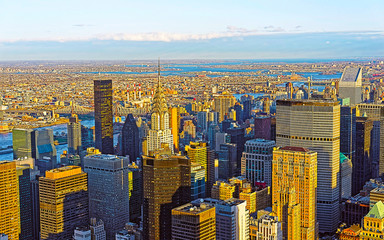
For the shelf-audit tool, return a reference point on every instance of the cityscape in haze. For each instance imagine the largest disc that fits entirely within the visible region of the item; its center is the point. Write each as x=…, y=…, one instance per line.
x=169, y=120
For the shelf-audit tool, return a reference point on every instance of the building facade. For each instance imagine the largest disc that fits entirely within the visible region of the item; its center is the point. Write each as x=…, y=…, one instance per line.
x=315, y=125
x=108, y=182
x=63, y=194
x=103, y=116
x=130, y=144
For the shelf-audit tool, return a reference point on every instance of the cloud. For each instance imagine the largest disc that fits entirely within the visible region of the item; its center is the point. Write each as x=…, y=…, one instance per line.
x=83, y=25
x=231, y=32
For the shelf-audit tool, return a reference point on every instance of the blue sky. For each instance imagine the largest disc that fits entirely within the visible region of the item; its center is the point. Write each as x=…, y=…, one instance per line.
x=146, y=29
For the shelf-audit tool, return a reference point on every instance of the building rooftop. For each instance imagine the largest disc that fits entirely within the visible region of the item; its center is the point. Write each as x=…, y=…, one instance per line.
x=63, y=172
x=296, y=149
x=350, y=74
x=309, y=102
x=377, y=211
x=194, y=208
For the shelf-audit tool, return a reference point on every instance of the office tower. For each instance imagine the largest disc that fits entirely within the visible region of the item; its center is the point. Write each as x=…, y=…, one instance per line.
x=227, y=156
x=223, y=191
x=232, y=218
x=373, y=223
x=221, y=138
x=239, y=111
x=135, y=193
x=194, y=222
x=262, y=127
x=350, y=84
x=97, y=229
x=197, y=152
x=24, y=143
x=35, y=208
x=256, y=162
x=25, y=198
x=375, y=112
x=130, y=139
x=227, y=123
x=212, y=130
x=9, y=200
x=46, y=155
x=63, y=202
x=198, y=174
x=160, y=131
x=362, y=164
x=87, y=137
x=103, y=116
x=174, y=125
x=160, y=197
x=238, y=138
x=202, y=120
x=345, y=177
x=295, y=169
x=190, y=128
x=266, y=106
x=82, y=233
x=348, y=131
x=211, y=171
x=265, y=226
x=315, y=124
x=74, y=135
x=247, y=106
x=222, y=103
x=108, y=186
x=273, y=129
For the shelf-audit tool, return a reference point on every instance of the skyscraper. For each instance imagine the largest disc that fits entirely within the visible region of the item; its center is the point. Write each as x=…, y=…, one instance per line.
x=24, y=143
x=315, y=124
x=295, y=168
x=262, y=127
x=160, y=132
x=194, y=222
x=350, y=84
x=238, y=138
x=373, y=223
x=130, y=139
x=222, y=103
x=174, y=124
x=348, y=131
x=108, y=184
x=103, y=116
x=362, y=163
x=63, y=202
x=74, y=135
x=256, y=162
x=25, y=196
x=232, y=218
x=167, y=184
x=9, y=201
x=198, y=174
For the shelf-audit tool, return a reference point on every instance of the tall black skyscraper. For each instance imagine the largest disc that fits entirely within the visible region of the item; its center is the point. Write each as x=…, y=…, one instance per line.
x=348, y=131
x=130, y=139
x=103, y=116
x=362, y=164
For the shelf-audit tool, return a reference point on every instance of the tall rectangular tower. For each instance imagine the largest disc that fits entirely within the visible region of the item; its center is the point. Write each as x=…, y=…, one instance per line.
x=108, y=177
x=103, y=116
x=295, y=168
x=9, y=200
x=74, y=135
x=63, y=202
x=315, y=124
x=167, y=184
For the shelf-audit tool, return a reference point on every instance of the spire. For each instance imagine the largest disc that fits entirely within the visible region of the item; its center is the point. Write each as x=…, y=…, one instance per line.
x=159, y=101
x=158, y=73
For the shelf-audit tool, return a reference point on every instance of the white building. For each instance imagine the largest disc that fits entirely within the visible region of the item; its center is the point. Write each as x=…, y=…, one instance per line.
x=160, y=132
x=232, y=218
x=125, y=235
x=82, y=234
x=264, y=227
x=97, y=229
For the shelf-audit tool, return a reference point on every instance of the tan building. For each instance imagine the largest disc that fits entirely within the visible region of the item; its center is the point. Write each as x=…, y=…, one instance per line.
x=63, y=194
x=222, y=103
x=373, y=223
x=194, y=222
x=167, y=184
x=9, y=200
x=294, y=172
x=223, y=190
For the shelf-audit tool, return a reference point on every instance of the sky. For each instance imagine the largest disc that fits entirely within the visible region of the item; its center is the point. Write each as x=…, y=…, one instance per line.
x=175, y=29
